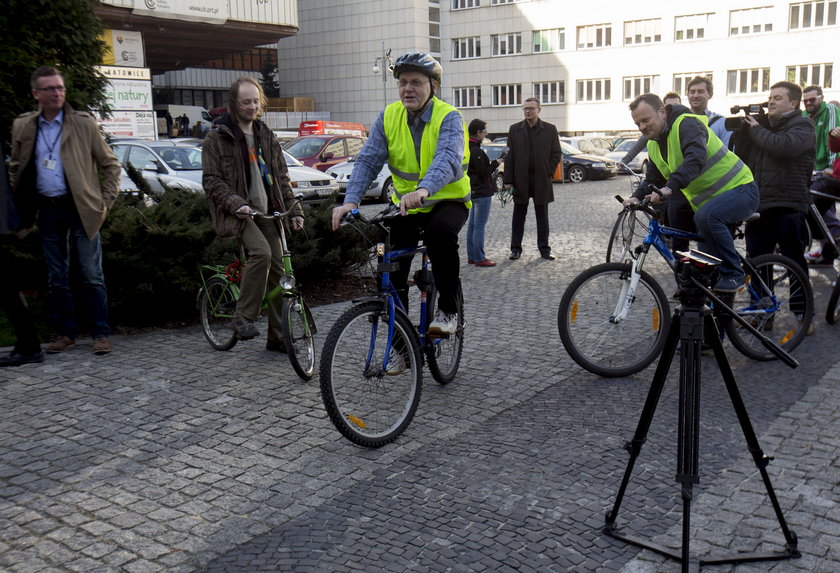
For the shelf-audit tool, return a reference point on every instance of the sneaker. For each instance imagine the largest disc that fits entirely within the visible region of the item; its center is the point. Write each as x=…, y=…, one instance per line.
x=16, y=358
x=515, y=255
x=397, y=363
x=444, y=323
x=275, y=346
x=101, y=345
x=60, y=344
x=814, y=256
x=729, y=285
x=243, y=327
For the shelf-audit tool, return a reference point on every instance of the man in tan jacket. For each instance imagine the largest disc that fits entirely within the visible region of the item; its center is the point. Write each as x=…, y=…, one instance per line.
x=55, y=155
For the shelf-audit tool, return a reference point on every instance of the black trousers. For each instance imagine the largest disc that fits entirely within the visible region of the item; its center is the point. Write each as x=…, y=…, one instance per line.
x=440, y=228
x=12, y=304
x=520, y=211
x=680, y=216
x=778, y=226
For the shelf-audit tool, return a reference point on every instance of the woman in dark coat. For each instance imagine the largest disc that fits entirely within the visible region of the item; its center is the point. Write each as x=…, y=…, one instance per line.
x=482, y=188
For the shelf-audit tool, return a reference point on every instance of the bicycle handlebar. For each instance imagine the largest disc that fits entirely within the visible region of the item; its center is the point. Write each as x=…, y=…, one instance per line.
x=277, y=215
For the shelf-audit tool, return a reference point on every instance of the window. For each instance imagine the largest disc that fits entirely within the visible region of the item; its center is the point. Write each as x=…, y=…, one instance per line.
x=751, y=21
x=462, y=4
x=810, y=75
x=813, y=14
x=468, y=97
x=752, y=81
x=549, y=40
x=550, y=92
x=507, y=95
x=593, y=90
x=465, y=48
x=691, y=27
x=498, y=2
x=681, y=80
x=642, y=32
x=595, y=36
x=354, y=145
x=507, y=44
x=434, y=28
x=638, y=85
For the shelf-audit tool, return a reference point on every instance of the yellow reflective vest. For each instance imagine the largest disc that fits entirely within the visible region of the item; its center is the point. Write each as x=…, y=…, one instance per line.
x=723, y=169
x=402, y=157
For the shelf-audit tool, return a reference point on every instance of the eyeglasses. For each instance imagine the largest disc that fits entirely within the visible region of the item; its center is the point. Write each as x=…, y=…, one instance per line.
x=529, y=108
x=416, y=84
x=51, y=89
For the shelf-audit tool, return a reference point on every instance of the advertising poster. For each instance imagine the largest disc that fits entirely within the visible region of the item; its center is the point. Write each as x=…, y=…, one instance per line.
x=125, y=48
x=140, y=124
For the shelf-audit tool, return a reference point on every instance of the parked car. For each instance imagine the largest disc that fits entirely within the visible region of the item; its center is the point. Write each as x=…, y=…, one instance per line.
x=495, y=151
x=639, y=164
x=380, y=188
x=579, y=166
x=590, y=145
x=324, y=151
x=162, y=163
x=308, y=180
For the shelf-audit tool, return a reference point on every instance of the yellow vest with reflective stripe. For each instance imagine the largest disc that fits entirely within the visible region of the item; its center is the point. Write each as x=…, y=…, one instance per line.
x=402, y=157
x=723, y=169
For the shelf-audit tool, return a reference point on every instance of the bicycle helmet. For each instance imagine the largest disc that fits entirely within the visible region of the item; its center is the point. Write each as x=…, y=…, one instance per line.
x=418, y=62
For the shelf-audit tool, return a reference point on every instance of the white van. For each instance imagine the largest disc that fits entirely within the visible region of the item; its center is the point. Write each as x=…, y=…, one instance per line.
x=195, y=113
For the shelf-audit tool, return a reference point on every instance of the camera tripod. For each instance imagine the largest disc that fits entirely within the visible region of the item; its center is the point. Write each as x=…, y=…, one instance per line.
x=692, y=324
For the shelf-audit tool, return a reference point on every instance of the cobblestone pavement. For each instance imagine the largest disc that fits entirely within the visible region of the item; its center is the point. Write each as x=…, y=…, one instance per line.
x=169, y=456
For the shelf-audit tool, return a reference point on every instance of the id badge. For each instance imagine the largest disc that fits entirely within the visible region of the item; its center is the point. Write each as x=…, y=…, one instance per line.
x=48, y=164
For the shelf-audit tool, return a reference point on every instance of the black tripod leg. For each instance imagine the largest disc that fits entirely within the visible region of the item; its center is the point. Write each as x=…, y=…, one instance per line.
x=634, y=446
x=759, y=458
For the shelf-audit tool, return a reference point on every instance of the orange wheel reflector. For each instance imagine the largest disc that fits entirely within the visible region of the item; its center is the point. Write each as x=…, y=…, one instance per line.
x=356, y=421
x=788, y=336
x=656, y=320
x=573, y=314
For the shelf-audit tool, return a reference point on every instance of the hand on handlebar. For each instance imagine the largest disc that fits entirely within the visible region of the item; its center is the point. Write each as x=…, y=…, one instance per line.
x=245, y=212
x=413, y=200
x=659, y=195
x=296, y=223
x=339, y=213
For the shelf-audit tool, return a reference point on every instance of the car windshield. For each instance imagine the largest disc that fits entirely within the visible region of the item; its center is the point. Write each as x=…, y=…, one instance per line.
x=305, y=147
x=626, y=145
x=493, y=151
x=291, y=159
x=569, y=149
x=181, y=158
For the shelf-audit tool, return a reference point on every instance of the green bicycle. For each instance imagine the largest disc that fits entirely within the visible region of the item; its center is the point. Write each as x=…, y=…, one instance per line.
x=220, y=292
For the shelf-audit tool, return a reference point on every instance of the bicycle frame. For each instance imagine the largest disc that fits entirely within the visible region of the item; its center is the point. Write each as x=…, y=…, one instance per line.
x=656, y=238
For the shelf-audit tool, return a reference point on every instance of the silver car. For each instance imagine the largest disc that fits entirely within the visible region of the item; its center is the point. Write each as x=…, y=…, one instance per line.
x=308, y=180
x=162, y=163
x=639, y=163
x=380, y=189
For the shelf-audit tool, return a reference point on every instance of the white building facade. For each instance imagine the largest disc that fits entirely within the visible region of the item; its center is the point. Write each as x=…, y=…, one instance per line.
x=585, y=62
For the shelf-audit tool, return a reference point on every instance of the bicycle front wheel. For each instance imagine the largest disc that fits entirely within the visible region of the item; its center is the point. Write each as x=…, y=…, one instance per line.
x=369, y=399
x=832, y=313
x=297, y=335
x=598, y=340
x=629, y=225
x=216, y=306
x=776, y=300
x=443, y=351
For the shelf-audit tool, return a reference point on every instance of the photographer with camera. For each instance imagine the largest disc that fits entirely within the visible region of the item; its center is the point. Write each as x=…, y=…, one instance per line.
x=687, y=157
x=779, y=149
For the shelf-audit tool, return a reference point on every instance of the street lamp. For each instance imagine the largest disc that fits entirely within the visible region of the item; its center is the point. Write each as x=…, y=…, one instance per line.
x=387, y=63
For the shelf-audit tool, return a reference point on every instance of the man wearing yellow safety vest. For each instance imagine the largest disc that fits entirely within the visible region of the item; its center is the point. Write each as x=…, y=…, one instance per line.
x=424, y=142
x=686, y=156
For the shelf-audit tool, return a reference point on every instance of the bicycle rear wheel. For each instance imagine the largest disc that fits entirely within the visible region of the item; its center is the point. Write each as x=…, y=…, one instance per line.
x=370, y=401
x=832, y=313
x=778, y=301
x=216, y=306
x=298, y=336
x=443, y=351
x=602, y=344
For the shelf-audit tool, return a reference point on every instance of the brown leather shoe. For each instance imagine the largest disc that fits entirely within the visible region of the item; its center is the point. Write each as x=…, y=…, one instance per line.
x=60, y=344
x=486, y=263
x=101, y=346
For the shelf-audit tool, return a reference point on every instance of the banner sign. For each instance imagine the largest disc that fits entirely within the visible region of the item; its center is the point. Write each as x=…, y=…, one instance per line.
x=140, y=124
x=207, y=11
x=125, y=48
x=129, y=95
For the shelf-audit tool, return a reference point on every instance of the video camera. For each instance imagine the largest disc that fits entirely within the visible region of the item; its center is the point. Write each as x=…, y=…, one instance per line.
x=754, y=109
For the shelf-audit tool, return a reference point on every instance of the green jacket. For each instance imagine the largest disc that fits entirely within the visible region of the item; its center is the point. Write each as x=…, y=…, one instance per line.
x=826, y=119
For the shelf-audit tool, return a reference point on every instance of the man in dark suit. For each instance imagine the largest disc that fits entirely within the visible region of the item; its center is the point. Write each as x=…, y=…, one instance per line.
x=529, y=166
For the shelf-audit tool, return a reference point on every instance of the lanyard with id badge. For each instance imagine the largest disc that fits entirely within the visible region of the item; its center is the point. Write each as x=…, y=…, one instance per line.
x=49, y=162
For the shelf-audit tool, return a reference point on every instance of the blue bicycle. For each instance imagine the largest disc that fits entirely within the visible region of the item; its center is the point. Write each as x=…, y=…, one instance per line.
x=614, y=317
x=371, y=363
